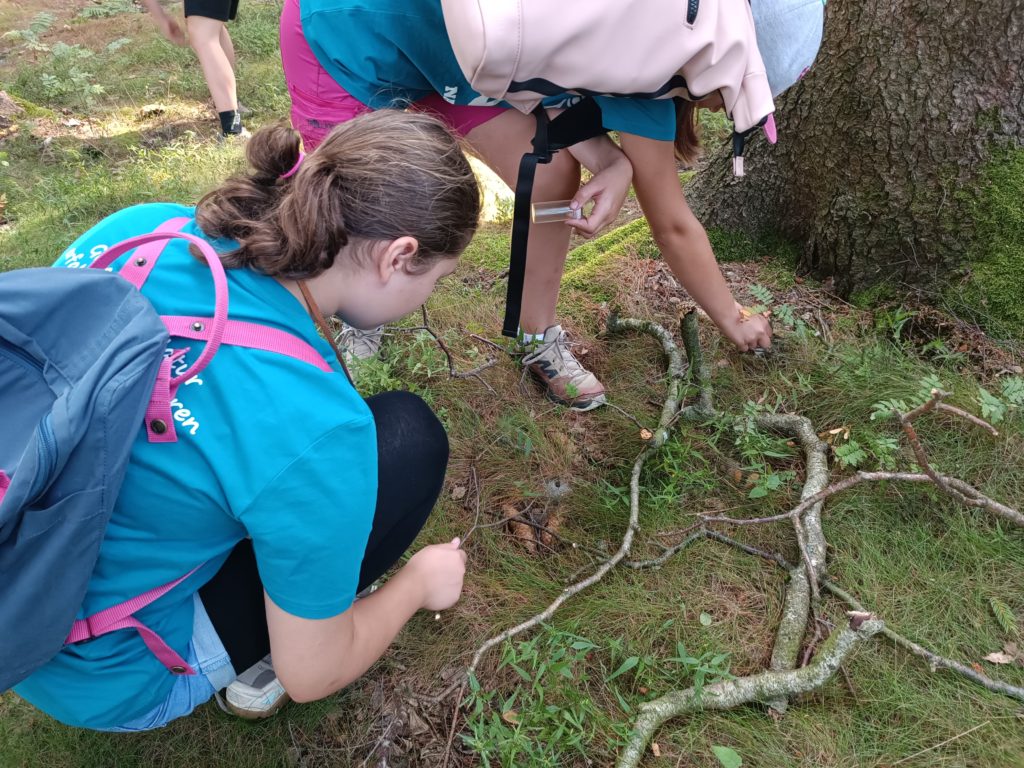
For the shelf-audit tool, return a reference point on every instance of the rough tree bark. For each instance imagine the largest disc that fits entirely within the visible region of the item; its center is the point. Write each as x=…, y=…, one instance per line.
x=882, y=146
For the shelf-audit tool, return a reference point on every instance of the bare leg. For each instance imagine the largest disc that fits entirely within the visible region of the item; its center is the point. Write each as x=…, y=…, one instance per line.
x=205, y=37
x=501, y=143
x=227, y=46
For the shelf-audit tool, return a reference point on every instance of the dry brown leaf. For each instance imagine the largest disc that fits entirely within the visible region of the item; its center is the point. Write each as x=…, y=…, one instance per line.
x=552, y=526
x=459, y=492
x=510, y=716
x=646, y=434
x=655, y=749
x=998, y=657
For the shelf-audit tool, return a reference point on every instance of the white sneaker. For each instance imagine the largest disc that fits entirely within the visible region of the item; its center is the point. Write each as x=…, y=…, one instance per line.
x=257, y=692
x=566, y=381
x=358, y=344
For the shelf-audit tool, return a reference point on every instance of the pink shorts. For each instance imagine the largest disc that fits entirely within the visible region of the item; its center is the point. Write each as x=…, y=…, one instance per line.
x=319, y=103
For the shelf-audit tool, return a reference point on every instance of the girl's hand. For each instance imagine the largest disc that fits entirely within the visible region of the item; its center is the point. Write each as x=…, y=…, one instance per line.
x=748, y=331
x=608, y=189
x=438, y=570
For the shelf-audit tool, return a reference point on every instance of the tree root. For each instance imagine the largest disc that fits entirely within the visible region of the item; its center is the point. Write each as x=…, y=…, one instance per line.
x=763, y=687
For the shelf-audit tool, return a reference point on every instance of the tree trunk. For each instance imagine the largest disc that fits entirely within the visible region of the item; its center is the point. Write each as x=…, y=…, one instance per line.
x=885, y=147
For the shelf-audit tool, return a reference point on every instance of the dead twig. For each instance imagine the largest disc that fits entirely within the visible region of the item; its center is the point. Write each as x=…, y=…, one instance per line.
x=676, y=371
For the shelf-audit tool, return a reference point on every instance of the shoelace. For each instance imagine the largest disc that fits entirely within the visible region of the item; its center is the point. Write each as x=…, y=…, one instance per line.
x=573, y=368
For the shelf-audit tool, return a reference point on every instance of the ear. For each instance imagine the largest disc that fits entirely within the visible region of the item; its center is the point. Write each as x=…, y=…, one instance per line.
x=396, y=256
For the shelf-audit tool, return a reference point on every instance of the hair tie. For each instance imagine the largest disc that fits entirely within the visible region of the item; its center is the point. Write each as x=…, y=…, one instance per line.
x=295, y=168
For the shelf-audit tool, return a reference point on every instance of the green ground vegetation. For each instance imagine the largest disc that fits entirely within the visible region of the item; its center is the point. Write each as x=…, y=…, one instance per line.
x=945, y=576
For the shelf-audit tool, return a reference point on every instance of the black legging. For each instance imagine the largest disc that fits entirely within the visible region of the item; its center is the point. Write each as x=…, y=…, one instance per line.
x=412, y=454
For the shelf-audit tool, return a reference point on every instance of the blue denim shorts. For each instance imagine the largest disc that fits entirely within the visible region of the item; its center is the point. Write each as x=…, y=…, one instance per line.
x=207, y=656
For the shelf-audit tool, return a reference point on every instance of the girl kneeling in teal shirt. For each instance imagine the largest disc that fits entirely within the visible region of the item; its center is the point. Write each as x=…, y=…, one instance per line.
x=291, y=490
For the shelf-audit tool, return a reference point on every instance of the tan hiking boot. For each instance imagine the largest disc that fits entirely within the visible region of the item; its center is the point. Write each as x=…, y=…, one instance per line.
x=552, y=362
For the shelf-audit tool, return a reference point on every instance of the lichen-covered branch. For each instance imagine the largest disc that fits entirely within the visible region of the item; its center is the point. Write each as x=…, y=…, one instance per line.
x=933, y=659
x=802, y=591
x=676, y=371
x=700, y=374
x=763, y=687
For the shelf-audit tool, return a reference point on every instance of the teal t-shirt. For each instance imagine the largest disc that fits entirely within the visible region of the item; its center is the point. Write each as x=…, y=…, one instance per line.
x=268, y=447
x=385, y=52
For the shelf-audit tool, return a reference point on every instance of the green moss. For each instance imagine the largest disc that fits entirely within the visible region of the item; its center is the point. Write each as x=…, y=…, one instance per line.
x=992, y=293
x=586, y=267
x=736, y=246
x=874, y=295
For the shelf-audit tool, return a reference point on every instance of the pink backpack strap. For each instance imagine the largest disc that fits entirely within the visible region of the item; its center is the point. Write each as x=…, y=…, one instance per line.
x=121, y=616
x=159, y=426
x=251, y=335
x=5, y=483
x=136, y=270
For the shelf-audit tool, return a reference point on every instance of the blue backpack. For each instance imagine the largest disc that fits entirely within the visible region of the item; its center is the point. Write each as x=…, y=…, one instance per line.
x=83, y=364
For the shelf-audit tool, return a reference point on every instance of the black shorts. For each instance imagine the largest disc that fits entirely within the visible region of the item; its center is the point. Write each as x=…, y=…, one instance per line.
x=222, y=10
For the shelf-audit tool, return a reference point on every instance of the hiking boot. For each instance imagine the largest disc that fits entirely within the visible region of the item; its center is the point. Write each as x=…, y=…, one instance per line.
x=358, y=344
x=569, y=383
x=256, y=693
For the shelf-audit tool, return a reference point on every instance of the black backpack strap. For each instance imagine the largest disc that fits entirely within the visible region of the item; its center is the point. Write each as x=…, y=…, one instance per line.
x=580, y=122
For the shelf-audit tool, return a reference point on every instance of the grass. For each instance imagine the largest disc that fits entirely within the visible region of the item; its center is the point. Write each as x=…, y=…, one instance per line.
x=926, y=565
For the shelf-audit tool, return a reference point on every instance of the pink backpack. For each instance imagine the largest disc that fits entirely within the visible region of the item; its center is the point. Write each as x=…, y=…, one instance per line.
x=524, y=50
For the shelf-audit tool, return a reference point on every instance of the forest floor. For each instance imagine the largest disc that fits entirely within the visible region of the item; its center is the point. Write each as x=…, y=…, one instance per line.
x=102, y=114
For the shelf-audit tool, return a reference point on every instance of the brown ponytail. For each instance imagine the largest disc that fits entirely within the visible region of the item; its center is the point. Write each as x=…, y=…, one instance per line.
x=687, y=141
x=380, y=176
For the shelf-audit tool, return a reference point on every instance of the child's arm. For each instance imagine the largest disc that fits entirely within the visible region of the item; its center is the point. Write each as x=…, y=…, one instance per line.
x=168, y=26
x=683, y=242
x=314, y=658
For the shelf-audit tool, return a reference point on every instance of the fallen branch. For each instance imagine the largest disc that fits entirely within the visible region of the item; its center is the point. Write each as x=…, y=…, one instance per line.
x=968, y=495
x=763, y=687
x=676, y=372
x=934, y=660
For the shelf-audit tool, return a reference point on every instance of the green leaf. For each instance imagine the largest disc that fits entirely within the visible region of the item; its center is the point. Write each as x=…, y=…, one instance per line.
x=1004, y=615
x=757, y=492
x=729, y=758
x=705, y=619
x=850, y=454
x=885, y=408
x=1013, y=390
x=627, y=665
x=992, y=408
x=762, y=294
x=926, y=385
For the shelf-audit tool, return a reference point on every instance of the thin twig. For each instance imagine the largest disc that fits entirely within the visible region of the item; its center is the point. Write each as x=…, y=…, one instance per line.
x=625, y=413
x=967, y=494
x=942, y=743
x=476, y=491
x=452, y=370
x=676, y=371
x=967, y=417
x=667, y=554
x=451, y=730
